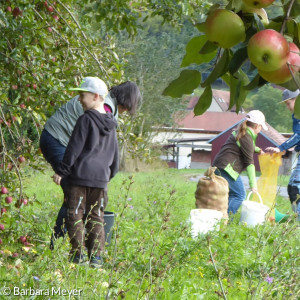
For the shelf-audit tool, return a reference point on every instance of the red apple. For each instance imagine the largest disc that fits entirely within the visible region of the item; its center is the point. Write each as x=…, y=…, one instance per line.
x=50, y=8
x=283, y=74
x=8, y=8
x=4, y=190
x=34, y=86
x=225, y=28
x=23, y=239
x=8, y=199
x=258, y=3
x=46, y=3
x=49, y=29
x=2, y=227
x=17, y=12
x=268, y=50
x=14, y=87
x=24, y=201
x=55, y=18
x=21, y=159
x=15, y=254
x=3, y=210
x=22, y=105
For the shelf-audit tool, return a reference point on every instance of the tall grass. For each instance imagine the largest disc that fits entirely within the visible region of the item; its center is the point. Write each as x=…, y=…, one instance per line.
x=152, y=254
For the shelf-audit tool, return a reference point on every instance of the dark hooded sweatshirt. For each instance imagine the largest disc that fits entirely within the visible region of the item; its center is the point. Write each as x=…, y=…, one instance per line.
x=91, y=157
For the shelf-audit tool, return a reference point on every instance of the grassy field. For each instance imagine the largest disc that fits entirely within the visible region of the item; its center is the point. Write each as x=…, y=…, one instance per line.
x=152, y=254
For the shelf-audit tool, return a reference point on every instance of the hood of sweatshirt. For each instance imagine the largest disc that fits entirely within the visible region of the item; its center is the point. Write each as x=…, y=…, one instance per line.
x=105, y=122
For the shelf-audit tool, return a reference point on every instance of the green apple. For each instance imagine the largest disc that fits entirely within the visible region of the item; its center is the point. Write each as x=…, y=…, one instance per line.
x=224, y=28
x=283, y=74
x=268, y=50
x=259, y=11
x=258, y=3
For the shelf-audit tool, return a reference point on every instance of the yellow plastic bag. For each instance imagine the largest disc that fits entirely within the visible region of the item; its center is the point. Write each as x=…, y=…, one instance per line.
x=267, y=182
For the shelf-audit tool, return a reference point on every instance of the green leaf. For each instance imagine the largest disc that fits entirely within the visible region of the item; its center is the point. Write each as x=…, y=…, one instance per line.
x=213, y=7
x=290, y=85
x=192, y=52
x=274, y=25
x=258, y=22
x=296, y=78
x=249, y=33
x=187, y=81
x=204, y=101
x=208, y=47
x=238, y=92
x=226, y=78
x=257, y=81
x=235, y=5
x=297, y=108
x=200, y=26
x=295, y=11
x=238, y=59
x=220, y=69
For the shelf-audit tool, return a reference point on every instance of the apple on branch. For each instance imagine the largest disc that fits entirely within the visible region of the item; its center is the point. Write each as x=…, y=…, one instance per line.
x=262, y=14
x=4, y=190
x=8, y=199
x=268, y=50
x=258, y=3
x=21, y=159
x=224, y=28
x=284, y=74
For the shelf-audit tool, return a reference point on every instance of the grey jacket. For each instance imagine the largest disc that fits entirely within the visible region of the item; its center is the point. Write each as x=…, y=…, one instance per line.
x=61, y=124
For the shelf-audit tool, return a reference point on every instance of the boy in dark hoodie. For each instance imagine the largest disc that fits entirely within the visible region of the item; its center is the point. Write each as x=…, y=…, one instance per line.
x=90, y=161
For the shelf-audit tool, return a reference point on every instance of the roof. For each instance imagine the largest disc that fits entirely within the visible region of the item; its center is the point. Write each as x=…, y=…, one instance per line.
x=271, y=134
x=221, y=97
x=210, y=121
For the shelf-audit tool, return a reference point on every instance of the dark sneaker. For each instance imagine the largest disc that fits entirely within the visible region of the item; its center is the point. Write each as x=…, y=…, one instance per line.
x=96, y=262
x=78, y=259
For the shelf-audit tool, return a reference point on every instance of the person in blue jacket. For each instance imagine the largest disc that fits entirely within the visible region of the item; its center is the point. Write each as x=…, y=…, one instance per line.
x=289, y=99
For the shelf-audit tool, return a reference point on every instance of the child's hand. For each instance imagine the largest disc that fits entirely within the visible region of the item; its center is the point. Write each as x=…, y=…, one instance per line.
x=272, y=149
x=254, y=190
x=56, y=179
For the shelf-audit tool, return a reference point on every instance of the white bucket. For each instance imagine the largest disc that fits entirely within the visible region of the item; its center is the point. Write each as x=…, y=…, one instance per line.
x=204, y=220
x=253, y=213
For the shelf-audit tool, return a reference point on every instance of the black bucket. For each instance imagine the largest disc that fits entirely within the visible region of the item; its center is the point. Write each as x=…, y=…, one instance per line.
x=109, y=218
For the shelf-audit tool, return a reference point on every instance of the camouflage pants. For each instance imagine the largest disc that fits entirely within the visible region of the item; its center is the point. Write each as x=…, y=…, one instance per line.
x=86, y=212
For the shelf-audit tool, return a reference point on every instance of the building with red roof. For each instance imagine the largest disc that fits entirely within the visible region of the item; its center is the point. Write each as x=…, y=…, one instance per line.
x=195, y=140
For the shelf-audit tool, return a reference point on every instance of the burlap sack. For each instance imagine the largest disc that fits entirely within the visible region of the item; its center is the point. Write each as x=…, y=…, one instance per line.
x=212, y=192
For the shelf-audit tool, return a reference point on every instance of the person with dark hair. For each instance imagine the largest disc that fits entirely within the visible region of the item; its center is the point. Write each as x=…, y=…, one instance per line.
x=237, y=155
x=89, y=163
x=59, y=127
x=289, y=99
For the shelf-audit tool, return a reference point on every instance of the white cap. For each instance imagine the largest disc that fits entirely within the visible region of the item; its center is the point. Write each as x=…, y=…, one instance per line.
x=257, y=117
x=93, y=85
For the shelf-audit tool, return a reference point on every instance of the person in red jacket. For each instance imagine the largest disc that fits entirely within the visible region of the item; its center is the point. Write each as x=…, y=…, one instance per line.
x=89, y=163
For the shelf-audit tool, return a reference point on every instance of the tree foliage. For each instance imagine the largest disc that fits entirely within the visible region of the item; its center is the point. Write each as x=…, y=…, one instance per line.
x=151, y=57
x=232, y=64
x=267, y=99
x=46, y=47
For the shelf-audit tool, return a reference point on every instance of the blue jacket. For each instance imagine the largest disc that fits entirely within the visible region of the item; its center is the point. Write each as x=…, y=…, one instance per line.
x=294, y=140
